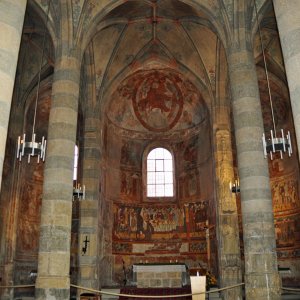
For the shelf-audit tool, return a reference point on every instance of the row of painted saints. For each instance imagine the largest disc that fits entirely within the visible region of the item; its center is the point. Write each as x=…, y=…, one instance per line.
x=285, y=195
x=153, y=222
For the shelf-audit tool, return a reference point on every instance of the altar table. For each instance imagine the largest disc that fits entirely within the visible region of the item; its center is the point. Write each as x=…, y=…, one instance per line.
x=160, y=275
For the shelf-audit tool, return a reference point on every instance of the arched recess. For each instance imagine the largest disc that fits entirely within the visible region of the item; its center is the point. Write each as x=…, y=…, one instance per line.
x=124, y=44
x=151, y=107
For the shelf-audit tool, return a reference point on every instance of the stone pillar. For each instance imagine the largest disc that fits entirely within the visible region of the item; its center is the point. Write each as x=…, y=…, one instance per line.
x=55, y=230
x=229, y=255
x=89, y=212
x=229, y=245
x=288, y=20
x=261, y=276
x=11, y=24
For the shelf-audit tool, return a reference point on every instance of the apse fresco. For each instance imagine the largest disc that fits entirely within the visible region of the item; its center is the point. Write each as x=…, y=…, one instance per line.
x=131, y=153
x=188, y=151
x=156, y=101
x=130, y=185
x=188, y=155
x=148, y=108
x=170, y=228
x=188, y=185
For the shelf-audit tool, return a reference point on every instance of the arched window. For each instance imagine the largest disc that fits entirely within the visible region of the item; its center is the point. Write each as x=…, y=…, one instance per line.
x=160, y=173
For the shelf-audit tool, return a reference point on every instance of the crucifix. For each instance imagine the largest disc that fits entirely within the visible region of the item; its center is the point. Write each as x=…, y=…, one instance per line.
x=85, y=242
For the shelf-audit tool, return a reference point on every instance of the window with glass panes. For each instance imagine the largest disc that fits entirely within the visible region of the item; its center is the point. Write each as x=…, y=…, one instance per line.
x=160, y=173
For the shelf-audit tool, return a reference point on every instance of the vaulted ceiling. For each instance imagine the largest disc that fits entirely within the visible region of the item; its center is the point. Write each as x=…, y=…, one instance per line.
x=129, y=36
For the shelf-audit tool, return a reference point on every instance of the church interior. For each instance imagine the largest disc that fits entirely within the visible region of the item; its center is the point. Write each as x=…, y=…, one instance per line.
x=158, y=116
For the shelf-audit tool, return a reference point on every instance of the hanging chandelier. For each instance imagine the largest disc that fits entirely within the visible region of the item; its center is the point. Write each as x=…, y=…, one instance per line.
x=32, y=147
x=78, y=192
x=78, y=189
x=235, y=186
x=272, y=142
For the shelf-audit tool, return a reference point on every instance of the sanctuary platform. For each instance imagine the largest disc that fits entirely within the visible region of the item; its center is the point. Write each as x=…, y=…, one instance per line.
x=156, y=292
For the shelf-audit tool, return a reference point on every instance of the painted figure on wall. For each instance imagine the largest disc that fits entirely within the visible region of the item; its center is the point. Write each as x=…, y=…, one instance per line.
x=189, y=186
x=126, y=184
x=152, y=223
x=130, y=186
x=285, y=195
x=131, y=154
x=285, y=232
x=158, y=100
x=29, y=219
x=197, y=216
x=160, y=229
x=191, y=151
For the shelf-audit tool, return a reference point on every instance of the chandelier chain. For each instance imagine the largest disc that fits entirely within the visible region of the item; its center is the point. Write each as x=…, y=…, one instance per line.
x=41, y=64
x=266, y=68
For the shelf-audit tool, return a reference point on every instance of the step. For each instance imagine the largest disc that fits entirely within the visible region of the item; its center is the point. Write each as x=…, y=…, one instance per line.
x=213, y=296
x=110, y=290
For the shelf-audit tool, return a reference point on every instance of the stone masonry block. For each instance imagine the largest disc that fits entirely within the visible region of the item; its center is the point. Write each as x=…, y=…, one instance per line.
x=155, y=283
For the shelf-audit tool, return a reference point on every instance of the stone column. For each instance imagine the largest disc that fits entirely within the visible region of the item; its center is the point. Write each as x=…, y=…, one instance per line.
x=55, y=230
x=228, y=231
x=89, y=212
x=261, y=276
x=288, y=20
x=11, y=24
x=229, y=245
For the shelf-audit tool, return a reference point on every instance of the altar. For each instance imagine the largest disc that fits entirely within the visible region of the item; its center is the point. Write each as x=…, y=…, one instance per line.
x=160, y=275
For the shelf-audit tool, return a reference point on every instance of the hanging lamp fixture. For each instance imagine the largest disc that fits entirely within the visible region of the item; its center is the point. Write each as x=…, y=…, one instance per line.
x=78, y=192
x=33, y=147
x=235, y=186
x=273, y=142
x=78, y=189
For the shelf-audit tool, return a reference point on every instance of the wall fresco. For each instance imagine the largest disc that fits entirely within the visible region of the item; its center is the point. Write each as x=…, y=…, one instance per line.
x=130, y=185
x=167, y=226
x=192, y=178
x=287, y=231
x=131, y=153
x=189, y=187
x=285, y=195
x=189, y=151
x=199, y=247
x=28, y=229
x=156, y=101
x=286, y=205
